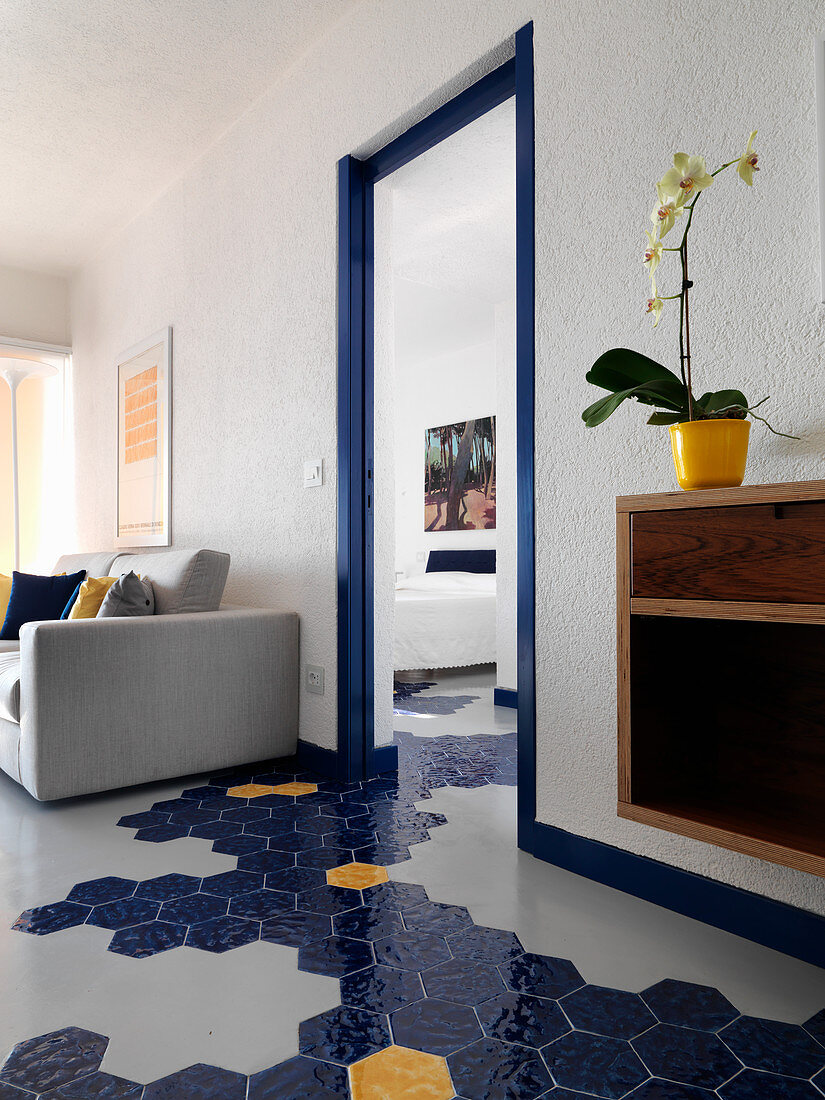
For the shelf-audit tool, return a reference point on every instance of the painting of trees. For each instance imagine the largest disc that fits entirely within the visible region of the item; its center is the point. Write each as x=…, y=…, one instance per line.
x=460, y=476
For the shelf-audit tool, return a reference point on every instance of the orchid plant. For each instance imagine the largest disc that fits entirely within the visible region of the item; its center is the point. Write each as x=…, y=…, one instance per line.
x=629, y=374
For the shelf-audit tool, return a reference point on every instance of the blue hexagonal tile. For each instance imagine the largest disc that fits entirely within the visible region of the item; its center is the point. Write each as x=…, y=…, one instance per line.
x=774, y=1046
x=498, y=1071
x=437, y=1027
x=193, y=816
x=682, y=1054
x=198, y=1083
x=295, y=929
x=199, y=794
x=97, y=1086
x=245, y=814
x=170, y=805
x=159, y=834
x=349, y=838
x=51, y=1060
x=384, y=855
x=520, y=1018
x=273, y=779
x=317, y=825
x=608, y=1011
x=464, y=981
x=399, y=896
x=45, y=919
x=753, y=1084
x=144, y=819
x=816, y=1027
x=273, y=826
x=239, y=845
x=145, y=940
x=411, y=950
x=437, y=918
x=216, y=830
x=490, y=944
x=295, y=842
x=325, y=858
x=124, y=913
x=264, y=862
x=168, y=887
x=306, y=1078
x=329, y=900
x=221, y=803
x=222, y=934
x=698, y=1006
x=294, y=880
x=541, y=975
x=11, y=1092
x=261, y=904
x=595, y=1064
x=381, y=989
x=335, y=956
x=193, y=908
x=344, y=1035
x=368, y=923
x=229, y=884
x=656, y=1089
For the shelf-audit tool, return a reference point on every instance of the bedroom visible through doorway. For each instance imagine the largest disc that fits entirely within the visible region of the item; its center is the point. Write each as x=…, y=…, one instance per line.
x=445, y=511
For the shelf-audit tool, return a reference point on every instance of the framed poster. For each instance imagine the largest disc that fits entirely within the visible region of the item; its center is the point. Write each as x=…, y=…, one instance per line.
x=144, y=436
x=460, y=476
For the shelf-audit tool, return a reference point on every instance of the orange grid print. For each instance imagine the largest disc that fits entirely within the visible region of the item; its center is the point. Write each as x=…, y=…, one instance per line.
x=141, y=409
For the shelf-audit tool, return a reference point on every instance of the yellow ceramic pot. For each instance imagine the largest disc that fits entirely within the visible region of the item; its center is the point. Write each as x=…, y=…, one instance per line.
x=710, y=454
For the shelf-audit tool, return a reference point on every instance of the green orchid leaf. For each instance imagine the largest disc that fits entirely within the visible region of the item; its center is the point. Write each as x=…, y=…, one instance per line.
x=721, y=400
x=621, y=368
x=666, y=418
x=647, y=392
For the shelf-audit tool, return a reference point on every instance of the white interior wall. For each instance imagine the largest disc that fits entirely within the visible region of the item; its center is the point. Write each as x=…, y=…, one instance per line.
x=34, y=306
x=240, y=257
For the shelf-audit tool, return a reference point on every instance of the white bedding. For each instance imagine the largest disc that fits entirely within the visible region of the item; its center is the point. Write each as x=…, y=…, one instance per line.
x=445, y=620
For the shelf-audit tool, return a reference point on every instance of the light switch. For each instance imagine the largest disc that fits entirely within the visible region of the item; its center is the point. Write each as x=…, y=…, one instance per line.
x=313, y=473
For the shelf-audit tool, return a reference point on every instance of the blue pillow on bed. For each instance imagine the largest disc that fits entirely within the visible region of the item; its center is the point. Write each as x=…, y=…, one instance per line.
x=34, y=598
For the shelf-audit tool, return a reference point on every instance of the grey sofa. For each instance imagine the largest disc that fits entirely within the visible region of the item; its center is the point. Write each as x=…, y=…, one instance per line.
x=95, y=704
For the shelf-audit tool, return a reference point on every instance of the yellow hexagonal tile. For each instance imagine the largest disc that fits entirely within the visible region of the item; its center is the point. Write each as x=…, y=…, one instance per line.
x=295, y=788
x=249, y=790
x=357, y=876
x=398, y=1073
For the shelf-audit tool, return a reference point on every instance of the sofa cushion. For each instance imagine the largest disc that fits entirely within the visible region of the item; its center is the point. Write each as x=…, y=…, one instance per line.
x=90, y=595
x=96, y=565
x=10, y=686
x=128, y=598
x=5, y=592
x=182, y=580
x=11, y=646
x=34, y=598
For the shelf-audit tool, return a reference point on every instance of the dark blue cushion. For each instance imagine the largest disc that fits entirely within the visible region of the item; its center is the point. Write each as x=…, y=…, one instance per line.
x=461, y=561
x=65, y=612
x=34, y=598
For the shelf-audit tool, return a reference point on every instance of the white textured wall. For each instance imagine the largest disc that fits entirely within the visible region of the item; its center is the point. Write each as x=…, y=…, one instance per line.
x=34, y=306
x=240, y=258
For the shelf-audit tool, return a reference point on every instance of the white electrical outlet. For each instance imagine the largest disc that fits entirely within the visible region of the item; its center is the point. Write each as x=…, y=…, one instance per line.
x=315, y=679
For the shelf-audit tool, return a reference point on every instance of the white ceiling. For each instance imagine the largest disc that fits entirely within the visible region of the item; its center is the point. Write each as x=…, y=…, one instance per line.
x=106, y=102
x=453, y=237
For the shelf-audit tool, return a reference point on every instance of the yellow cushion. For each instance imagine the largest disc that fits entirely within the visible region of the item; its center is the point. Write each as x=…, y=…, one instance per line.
x=5, y=593
x=90, y=597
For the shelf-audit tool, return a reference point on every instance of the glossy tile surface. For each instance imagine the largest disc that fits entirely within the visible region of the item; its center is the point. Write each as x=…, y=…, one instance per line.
x=261, y=960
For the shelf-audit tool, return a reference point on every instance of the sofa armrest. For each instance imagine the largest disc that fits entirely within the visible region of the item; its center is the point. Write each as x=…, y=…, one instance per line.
x=110, y=702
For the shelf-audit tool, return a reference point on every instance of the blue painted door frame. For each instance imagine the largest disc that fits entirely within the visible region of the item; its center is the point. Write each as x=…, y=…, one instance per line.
x=357, y=757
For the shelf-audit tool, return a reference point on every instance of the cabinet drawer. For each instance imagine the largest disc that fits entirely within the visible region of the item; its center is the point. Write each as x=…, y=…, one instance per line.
x=773, y=553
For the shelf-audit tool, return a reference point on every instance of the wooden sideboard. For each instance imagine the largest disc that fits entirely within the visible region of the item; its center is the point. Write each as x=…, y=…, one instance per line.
x=721, y=667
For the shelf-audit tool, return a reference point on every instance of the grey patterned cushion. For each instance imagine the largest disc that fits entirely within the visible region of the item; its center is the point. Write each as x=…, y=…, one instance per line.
x=128, y=597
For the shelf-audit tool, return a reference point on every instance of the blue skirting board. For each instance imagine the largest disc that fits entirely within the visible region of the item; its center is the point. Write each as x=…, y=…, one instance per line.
x=795, y=932
x=504, y=697
x=327, y=762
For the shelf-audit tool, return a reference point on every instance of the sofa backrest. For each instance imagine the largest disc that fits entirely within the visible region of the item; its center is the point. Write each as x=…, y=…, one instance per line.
x=182, y=580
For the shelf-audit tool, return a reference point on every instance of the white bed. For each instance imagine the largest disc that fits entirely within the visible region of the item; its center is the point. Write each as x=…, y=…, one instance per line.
x=445, y=620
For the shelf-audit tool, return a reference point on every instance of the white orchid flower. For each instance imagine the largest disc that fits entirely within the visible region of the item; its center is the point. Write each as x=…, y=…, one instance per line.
x=748, y=164
x=683, y=182
x=653, y=252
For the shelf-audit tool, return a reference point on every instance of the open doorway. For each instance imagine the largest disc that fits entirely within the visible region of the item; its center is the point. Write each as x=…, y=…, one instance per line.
x=445, y=512
x=366, y=503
